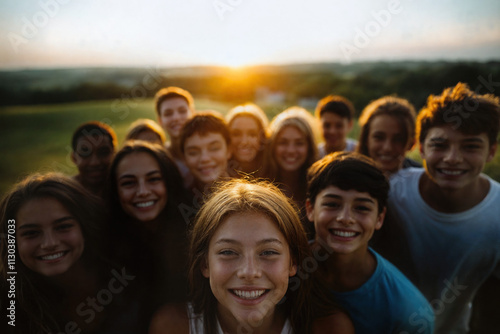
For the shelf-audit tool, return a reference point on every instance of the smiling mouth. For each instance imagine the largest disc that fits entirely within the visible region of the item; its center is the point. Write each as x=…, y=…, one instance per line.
x=52, y=257
x=249, y=295
x=343, y=234
x=450, y=172
x=145, y=204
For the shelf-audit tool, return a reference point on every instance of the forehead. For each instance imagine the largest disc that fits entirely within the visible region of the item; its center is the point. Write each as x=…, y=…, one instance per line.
x=94, y=140
x=248, y=227
x=291, y=132
x=331, y=117
x=41, y=211
x=174, y=103
x=198, y=140
x=450, y=134
x=244, y=123
x=137, y=163
x=352, y=194
x=386, y=124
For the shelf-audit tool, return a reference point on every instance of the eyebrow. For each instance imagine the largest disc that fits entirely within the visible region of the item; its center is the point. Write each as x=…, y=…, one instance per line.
x=57, y=221
x=260, y=242
x=468, y=140
x=124, y=176
x=359, y=199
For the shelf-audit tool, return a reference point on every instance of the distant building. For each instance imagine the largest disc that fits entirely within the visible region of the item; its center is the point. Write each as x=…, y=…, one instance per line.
x=264, y=95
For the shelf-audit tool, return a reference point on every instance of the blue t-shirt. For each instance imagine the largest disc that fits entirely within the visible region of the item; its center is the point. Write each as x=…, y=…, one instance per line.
x=388, y=303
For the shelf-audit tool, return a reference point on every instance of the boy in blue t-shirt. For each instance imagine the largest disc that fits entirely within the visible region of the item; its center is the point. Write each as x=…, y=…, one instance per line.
x=347, y=197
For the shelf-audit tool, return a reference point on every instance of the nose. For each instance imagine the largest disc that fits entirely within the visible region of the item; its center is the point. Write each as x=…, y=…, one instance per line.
x=249, y=268
x=143, y=189
x=204, y=156
x=94, y=160
x=49, y=241
x=345, y=216
x=453, y=155
x=387, y=145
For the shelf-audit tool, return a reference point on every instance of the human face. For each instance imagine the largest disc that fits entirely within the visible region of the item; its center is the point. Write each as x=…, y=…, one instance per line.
x=344, y=220
x=141, y=188
x=248, y=266
x=49, y=238
x=334, y=130
x=149, y=136
x=206, y=156
x=291, y=149
x=386, y=143
x=454, y=160
x=245, y=138
x=174, y=113
x=92, y=157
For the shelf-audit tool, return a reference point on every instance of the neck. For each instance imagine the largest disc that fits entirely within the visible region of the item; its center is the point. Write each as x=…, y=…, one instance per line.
x=453, y=200
x=347, y=272
x=273, y=322
x=175, y=148
x=246, y=166
x=339, y=147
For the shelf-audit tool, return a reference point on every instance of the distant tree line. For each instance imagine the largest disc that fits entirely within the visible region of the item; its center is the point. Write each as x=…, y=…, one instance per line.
x=413, y=82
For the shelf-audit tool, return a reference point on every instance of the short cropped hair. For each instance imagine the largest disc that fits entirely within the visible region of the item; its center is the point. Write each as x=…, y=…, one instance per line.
x=464, y=110
x=142, y=125
x=203, y=123
x=401, y=109
x=348, y=170
x=94, y=128
x=335, y=104
x=170, y=93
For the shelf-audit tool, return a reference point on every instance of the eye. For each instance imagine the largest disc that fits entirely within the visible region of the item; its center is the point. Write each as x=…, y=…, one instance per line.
x=65, y=226
x=270, y=252
x=192, y=153
x=215, y=148
x=30, y=233
x=127, y=184
x=363, y=208
x=155, y=179
x=227, y=252
x=331, y=204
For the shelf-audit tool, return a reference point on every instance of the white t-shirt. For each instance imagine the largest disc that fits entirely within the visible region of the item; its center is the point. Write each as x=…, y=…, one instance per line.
x=452, y=254
x=196, y=324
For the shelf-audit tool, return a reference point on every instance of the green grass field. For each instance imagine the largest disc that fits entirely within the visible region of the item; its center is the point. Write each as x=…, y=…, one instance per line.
x=38, y=138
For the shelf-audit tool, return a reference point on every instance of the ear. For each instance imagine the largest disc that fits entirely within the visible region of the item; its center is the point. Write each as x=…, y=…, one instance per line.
x=380, y=219
x=349, y=125
x=293, y=269
x=492, y=152
x=310, y=210
x=204, y=269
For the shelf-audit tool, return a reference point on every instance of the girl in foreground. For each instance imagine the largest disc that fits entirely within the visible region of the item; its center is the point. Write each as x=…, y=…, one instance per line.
x=387, y=133
x=62, y=268
x=246, y=244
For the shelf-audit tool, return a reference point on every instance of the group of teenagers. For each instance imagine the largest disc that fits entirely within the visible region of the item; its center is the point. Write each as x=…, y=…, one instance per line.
x=238, y=225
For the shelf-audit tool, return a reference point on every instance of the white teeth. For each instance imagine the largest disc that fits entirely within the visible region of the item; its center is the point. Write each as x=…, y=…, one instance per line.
x=53, y=256
x=249, y=294
x=344, y=234
x=144, y=204
x=451, y=172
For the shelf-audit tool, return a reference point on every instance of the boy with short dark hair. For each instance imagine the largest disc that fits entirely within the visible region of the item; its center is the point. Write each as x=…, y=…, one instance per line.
x=94, y=144
x=205, y=142
x=174, y=106
x=335, y=114
x=448, y=214
x=346, y=200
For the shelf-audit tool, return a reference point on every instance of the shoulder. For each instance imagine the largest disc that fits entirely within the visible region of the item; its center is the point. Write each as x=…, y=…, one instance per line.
x=170, y=318
x=351, y=144
x=336, y=323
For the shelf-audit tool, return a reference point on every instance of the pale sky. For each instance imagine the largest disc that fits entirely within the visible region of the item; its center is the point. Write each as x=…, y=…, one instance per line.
x=67, y=33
